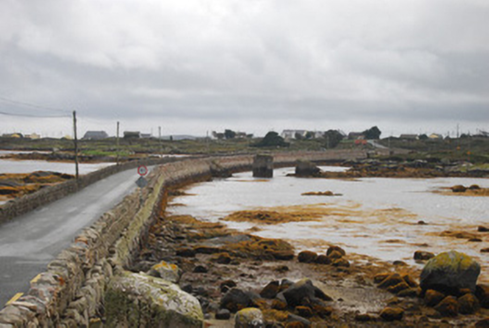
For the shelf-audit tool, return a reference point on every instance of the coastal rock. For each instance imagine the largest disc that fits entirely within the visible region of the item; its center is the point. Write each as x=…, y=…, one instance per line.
x=306, y=169
x=458, y=188
x=227, y=285
x=449, y=272
x=468, y=303
x=166, y=271
x=338, y=249
x=249, y=318
x=433, y=297
x=221, y=258
x=304, y=311
x=392, y=313
x=223, y=314
x=448, y=307
x=136, y=299
x=297, y=321
x=296, y=294
x=322, y=259
x=483, y=229
x=237, y=299
x=307, y=256
x=482, y=294
x=271, y=290
x=423, y=255
x=341, y=262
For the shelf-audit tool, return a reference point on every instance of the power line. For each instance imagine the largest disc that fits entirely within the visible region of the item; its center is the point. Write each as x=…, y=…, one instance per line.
x=31, y=115
x=22, y=103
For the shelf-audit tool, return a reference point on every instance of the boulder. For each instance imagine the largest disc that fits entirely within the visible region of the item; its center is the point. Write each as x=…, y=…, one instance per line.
x=392, y=313
x=307, y=256
x=458, y=188
x=166, y=271
x=297, y=294
x=237, y=299
x=482, y=293
x=448, y=307
x=449, y=272
x=223, y=314
x=139, y=300
x=433, y=297
x=468, y=303
x=249, y=318
x=338, y=249
x=423, y=255
x=271, y=290
x=306, y=169
x=323, y=259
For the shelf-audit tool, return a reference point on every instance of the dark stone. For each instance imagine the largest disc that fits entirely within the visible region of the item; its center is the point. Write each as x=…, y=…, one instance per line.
x=200, y=269
x=271, y=290
x=448, y=307
x=304, y=311
x=302, y=292
x=335, y=248
x=307, y=256
x=228, y=284
x=279, y=305
x=223, y=314
x=433, y=297
x=186, y=252
x=482, y=294
x=468, y=304
x=485, y=250
x=398, y=288
x=484, y=323
x=364, y=317
x=392, y=313
x=223, y=258
x=458, y=188
x=391, y=280
x=341, y=262
x=423, y=255
x=450, y=271
x=306, y=169
x=188, y=288
x=335, y=255
x=322, y=311
x=323, y=259
x=410, y=292
x=483, y=229
x=235, y=300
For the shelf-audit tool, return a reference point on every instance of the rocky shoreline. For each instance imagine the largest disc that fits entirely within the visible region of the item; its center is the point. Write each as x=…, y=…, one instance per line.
x=230, y=272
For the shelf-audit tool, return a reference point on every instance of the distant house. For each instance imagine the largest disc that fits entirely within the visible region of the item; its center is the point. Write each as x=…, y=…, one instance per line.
x=146, y=135
x=292, y=134
x=33, y=136
x=408, y=137
x=132, y=134
x=435, y=136
x=356, y=136
x=95, y=135
x=16, y=135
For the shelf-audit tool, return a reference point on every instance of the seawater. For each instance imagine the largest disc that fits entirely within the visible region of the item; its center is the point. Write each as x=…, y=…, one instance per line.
x=381, y=219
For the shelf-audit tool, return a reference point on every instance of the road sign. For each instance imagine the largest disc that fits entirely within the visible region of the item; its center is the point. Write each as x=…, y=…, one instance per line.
x=142, y=170
x=141, y=182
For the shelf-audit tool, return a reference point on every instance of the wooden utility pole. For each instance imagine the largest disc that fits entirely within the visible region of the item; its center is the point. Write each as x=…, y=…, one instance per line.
x=76, y=144
x=117, y=144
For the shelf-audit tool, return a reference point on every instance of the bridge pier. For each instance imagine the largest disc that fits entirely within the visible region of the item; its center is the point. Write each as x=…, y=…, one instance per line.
x=263, y=166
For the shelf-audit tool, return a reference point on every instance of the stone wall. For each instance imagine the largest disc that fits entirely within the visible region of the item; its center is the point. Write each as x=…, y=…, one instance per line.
x=72, y=289
x=52, y=193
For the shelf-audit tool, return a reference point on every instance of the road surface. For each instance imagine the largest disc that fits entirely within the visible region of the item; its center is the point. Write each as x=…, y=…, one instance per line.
x=29, y=242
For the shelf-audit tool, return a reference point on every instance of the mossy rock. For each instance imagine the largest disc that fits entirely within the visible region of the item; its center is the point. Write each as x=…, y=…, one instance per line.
x=139, y=300
x=449, y=272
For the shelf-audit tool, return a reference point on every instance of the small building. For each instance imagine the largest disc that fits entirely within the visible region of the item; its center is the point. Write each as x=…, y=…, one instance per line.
x=408, y=137
x=292, y=134
x=146, y=135
x=356, y=136
x=132, y=134
x=33, y=136
x=16, y=135
x=435, y=136
x=95, y=135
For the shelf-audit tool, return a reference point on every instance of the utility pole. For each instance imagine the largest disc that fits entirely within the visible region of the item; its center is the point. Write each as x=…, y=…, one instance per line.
x=160, y=142
x=76, y=145
x=117, y=144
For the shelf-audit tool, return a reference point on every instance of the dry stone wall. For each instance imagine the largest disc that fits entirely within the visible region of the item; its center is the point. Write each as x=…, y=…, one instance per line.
x=71, y=291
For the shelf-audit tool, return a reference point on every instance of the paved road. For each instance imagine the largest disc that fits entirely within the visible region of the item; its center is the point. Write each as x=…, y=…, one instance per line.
x=29, y=242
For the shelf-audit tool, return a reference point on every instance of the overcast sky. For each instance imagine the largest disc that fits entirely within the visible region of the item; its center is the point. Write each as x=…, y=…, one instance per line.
x=192, y=66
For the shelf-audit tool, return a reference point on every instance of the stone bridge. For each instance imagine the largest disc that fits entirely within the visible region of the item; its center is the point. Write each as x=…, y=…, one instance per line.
x=73, y=289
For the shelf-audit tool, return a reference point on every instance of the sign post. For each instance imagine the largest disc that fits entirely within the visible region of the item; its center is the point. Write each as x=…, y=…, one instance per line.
x=141, y=182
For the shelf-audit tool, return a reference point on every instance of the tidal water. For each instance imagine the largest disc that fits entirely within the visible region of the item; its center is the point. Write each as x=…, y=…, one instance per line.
x=27, y=166
x=377, y=217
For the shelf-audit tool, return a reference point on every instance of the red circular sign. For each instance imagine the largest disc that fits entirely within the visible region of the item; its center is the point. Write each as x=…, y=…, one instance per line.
x=142, y=170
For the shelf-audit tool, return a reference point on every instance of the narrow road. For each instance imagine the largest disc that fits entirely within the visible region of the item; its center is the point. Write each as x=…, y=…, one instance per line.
x=29, y=242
